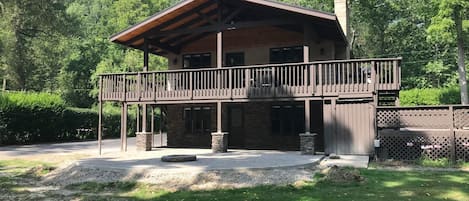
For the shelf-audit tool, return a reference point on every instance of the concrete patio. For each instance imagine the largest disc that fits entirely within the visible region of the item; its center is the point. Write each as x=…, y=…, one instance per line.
x=235, y=159
x=235, y=169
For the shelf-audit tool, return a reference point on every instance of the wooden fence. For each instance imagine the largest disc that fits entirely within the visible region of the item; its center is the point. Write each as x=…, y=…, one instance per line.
x=409, y=133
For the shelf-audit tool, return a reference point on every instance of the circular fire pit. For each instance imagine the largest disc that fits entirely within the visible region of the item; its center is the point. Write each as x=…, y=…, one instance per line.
x=178, y=158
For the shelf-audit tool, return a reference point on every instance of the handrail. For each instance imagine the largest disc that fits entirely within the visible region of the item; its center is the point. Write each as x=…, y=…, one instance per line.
x=330, y=78
x=259, y=66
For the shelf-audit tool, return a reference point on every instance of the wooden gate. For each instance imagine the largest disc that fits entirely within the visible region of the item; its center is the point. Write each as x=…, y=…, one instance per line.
x=349, y=127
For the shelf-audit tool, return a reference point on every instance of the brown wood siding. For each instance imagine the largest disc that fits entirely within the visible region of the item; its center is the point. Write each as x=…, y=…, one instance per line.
x=349, y=127
x=256, y=44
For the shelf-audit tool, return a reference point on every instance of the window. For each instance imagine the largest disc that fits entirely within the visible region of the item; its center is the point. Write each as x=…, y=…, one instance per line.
x=197, y=120
x=235, y=59
x=287, y=120
x=286, y=55
x=197, y=60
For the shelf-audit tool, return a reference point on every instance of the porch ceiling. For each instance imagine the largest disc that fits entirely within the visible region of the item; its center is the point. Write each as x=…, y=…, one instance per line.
x=190, y=20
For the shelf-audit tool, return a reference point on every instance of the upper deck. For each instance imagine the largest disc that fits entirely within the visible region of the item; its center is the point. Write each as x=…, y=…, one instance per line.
x=341, y=78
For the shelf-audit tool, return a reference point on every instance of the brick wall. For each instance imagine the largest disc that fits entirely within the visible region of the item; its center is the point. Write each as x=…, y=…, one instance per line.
x=177, y=135
x=257, y=128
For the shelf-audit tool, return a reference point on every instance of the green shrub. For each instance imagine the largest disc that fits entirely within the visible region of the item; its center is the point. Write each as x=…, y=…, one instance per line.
x=31, y=100
x=41, y=117
x=430, y=96
x=438, y=163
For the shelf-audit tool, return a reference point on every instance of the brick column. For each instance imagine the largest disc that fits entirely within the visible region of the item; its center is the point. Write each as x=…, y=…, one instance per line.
x=219, y=142
x=307, y=143
x=143, y=141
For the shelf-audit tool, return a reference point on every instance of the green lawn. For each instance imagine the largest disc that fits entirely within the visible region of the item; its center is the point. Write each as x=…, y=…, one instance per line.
x=378, y=185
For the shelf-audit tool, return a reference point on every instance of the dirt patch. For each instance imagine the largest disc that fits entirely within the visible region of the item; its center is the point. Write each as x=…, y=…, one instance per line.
x=342, y=175
x=393, y=163
x=206, y=180
x=38, y=171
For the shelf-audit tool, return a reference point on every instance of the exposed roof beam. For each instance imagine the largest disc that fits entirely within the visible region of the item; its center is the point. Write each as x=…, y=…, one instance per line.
x=190, y=39
x=169, y=22
x=193, y=23
x=232, y=15
x=164, y=47
x=206, y=18
x=238, y=25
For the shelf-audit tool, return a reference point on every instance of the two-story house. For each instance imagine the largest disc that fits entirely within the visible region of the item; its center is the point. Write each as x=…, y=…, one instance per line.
x=253, y=74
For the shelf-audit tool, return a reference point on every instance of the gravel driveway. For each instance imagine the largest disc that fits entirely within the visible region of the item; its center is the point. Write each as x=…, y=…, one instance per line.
x=89, y=147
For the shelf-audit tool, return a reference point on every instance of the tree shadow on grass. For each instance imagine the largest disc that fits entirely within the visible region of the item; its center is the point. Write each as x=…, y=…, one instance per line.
x=382, y=185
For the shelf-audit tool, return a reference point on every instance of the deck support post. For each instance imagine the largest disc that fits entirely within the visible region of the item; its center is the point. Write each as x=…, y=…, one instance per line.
x=124, y=125
x=307, y=139
x=144, y=138
x=220, y=35
x=138, y=118
x=219, y=116
x=160, y=127
x=219, y=49
x=145, y=69
x=100, y=115
x=307, y=34
x=144, y=117
x=152, y=128
x=219, y=138
x=307, y=116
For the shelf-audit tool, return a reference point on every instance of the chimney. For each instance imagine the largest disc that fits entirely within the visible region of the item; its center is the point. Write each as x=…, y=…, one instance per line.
x=341, y=10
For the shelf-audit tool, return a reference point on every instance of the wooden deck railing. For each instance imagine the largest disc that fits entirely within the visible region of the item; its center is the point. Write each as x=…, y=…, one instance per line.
x=328, y=78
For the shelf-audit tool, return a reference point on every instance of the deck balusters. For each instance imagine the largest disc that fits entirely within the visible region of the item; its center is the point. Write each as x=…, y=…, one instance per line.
x=265, y=81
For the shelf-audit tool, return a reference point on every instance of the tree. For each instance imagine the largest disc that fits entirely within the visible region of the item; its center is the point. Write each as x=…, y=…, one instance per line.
x=92, y=53
x=399, y=28
x=447, y=29
x=29, y=30
x=322, y=5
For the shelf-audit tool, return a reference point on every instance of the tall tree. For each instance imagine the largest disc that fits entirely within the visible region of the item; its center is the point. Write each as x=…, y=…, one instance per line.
x=29, y=26
x=322, y=5
x=447, y=29
x=398, y=28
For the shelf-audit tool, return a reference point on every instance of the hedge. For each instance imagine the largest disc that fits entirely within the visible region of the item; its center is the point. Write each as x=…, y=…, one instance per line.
x=430, y=96
x=27, y=118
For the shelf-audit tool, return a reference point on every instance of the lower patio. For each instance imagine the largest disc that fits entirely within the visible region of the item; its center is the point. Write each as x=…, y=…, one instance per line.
x=235, y=169
x=234, y=159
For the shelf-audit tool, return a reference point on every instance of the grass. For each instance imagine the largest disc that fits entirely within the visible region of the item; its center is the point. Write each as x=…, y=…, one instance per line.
x=438, y=163
x=17, y=167
x=379, y=184
x=16, y=176
x=462, y=164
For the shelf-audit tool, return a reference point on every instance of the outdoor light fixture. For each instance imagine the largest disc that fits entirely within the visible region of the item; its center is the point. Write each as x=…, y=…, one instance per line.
x=377, y=143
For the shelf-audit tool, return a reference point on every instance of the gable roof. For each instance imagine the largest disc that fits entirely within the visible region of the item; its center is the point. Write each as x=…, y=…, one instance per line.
x=198, y=11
